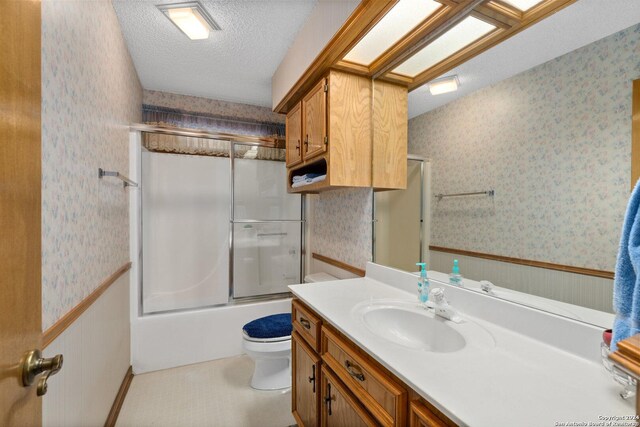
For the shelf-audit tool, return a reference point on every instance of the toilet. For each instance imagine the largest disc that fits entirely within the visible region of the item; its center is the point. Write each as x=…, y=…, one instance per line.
x=267, y=340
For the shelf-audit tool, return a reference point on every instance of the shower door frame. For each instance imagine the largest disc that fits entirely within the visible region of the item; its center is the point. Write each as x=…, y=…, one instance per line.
x=232, y=140
x=233, y=221
x=374, y=220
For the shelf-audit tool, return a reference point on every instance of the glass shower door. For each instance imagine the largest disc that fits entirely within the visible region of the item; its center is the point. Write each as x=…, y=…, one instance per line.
x=185, y=231
x=267, y=224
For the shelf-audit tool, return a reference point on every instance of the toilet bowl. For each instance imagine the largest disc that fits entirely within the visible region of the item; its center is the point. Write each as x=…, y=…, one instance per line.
x=267, y=341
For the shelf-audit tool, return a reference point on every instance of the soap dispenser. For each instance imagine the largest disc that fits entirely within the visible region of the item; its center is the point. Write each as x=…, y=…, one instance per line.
x=423, y=283
x=455, y=278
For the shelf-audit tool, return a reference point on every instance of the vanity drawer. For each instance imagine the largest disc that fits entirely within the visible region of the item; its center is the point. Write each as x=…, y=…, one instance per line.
x=385, y=398
x=306, y=323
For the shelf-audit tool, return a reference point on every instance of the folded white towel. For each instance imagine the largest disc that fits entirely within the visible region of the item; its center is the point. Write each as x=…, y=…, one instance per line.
x=299, y=184
x=299, y=178
x=319, y=178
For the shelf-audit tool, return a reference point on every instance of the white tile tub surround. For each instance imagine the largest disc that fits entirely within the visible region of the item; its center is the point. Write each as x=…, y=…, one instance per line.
x=96, y=358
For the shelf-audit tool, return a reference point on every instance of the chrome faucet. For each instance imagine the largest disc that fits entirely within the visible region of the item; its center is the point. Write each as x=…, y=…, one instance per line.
x=487, y=287
x=441, y=306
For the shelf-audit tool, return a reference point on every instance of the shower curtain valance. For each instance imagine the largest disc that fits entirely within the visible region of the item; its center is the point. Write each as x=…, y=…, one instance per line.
x=160, y=116
x=152, y=114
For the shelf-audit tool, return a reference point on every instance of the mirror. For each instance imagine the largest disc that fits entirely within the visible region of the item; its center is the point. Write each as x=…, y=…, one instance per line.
x=553, y=145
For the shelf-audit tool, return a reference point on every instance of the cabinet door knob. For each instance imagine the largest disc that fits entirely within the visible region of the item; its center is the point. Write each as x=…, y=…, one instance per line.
x=312, y=378
x=327, y=398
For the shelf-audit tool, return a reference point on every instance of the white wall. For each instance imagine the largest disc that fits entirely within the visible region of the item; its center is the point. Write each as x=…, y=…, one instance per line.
x=325, y=20
x=96, y=358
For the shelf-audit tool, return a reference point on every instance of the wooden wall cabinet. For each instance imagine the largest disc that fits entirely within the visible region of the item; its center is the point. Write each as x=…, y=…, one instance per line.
x=336, y=383
x=293, y=125
x=353, y=130
x=314, y=120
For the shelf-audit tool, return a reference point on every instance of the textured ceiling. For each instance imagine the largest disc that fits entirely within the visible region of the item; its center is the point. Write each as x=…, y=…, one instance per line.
x=573, y=27
x=234, y=64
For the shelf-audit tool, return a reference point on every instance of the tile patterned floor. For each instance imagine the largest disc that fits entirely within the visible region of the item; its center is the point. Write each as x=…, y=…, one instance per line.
x=206, y=394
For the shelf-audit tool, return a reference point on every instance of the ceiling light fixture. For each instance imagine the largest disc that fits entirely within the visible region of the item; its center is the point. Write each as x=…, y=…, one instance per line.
x=444, y=85
x=398, y=22
x=191, y=18
x=523, y=5
x=463, y=34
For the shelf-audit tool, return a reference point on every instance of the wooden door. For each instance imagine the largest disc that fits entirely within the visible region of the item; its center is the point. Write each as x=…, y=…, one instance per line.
x=20, y=258
x=314, y=120
x=339, y=406
x=305, y=382
x=294, y=135
x=421, y=416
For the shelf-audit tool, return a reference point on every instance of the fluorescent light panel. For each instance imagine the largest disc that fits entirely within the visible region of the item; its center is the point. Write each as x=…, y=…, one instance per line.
x=523, y=5
x=191, y=18
x=466, y=32
x=399, y=21
x=444, y=85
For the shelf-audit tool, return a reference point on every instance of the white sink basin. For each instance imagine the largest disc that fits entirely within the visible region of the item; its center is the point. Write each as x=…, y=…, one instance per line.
x=411, y=326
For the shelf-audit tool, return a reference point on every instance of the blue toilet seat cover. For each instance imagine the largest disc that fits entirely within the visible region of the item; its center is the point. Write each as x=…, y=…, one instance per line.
x=274, y=326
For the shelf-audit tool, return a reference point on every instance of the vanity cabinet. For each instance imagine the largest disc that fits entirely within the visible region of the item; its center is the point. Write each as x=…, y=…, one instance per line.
x=340, y=408
x=348, y=127
x=335, y=383
x=305, y=368
x=421, y=416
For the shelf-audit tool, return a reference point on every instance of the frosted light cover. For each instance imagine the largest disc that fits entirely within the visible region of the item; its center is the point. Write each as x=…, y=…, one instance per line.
x=523, y=5
x=399, y=21
x=463, y=34
x=191, y=22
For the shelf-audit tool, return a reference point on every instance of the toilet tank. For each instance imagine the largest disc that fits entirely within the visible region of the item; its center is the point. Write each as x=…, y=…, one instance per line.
x=319, y=277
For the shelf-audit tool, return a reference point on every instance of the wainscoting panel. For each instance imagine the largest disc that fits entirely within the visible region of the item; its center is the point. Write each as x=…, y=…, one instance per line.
x=96, y=349
x=586, y=291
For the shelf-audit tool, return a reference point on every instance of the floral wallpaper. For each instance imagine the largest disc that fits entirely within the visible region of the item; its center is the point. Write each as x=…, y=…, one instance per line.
x=90, y=94
x=211, y=106
x=554, y=143
x=341, y=225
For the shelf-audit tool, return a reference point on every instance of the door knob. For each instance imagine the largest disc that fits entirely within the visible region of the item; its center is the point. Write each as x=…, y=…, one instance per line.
x=33, y=364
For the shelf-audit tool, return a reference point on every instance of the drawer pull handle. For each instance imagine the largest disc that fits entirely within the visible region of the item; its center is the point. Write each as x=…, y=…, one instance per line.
x=354, y=370
x=304, y=322
x=312, y=378
x=327, y=398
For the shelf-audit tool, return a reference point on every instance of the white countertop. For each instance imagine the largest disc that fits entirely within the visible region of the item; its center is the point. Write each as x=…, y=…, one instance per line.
x=520, y=381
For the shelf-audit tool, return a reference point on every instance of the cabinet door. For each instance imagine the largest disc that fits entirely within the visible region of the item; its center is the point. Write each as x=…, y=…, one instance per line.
x=339, y=407
x=421, y=416
x=305, y=396
x=314, y=120
x=294, y=135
